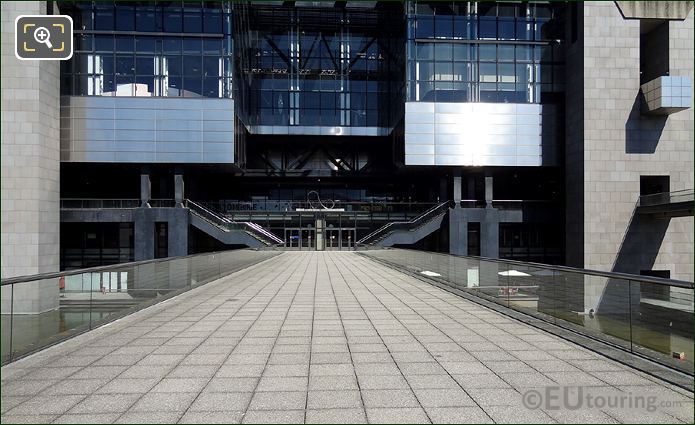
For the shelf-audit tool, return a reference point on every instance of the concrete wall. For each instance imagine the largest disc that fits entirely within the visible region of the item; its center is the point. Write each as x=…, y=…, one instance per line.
x=620, y=145
x=30, y=164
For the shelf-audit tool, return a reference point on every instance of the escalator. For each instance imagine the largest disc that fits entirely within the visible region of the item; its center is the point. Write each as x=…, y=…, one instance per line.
x=228, y=231
x=408, y=232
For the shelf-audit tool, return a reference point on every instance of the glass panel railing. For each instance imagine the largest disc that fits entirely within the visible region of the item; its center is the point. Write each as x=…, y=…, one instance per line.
x=648, y=316
x=38, y=311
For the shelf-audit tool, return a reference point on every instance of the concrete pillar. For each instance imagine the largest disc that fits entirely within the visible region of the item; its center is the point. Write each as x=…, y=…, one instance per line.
x=488, y=191
x=178, y=190
x=320, y=240
x=457, y=188
x=30, y=163
x=458, y=232
x=143, y=234
x=490, y=231
x=178, y=232
x=145, y=190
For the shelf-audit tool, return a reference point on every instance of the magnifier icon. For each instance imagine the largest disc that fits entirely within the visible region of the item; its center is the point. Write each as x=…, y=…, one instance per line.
x=41, y=35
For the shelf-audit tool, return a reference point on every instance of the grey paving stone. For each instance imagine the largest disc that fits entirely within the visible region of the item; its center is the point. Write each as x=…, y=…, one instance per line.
x=50, y=373
x=105, y=403
x=161, y=359
x=583, y=416
x=495, y=396
x=204, y=359
x=428, y=368
x=397, y=416
x=95, y=372
x=180, y=385
x=389, y=398
x=240, y=370
x=332, y=370
x=330, y=358
x=158, y=371
x=190, y=371
x=228, y=385
x=46, y=405
x=458, y=415
x=148, y=418
x=287, y=370
x=128, y=386
x=480, y=381
x=336, y=416
x=431, y=381
x=93, y=418
x=211, y=418
x=73, y=386
x=621, y=378
x=332, y=383
x=27, y=419
x=283, y=383
x=334, y=399
x=163, y=402
x=372, y=369
x=514, y=414
x=209, y=402
x=455, y=397
x=278, y=401
x=274, y=417
x=288, y=358
x=527, y=380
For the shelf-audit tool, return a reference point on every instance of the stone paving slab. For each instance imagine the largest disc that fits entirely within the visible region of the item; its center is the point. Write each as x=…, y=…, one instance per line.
x=332, y=337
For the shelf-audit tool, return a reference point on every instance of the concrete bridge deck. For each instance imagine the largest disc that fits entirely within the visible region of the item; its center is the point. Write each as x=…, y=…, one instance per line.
x=326, y=337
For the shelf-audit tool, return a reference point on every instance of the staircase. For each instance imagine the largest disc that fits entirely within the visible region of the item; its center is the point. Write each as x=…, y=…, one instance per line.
x=228, y=231
x=408, y=232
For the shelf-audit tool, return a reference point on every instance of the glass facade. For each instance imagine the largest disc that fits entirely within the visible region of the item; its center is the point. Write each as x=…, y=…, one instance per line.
x=484, y=51
x=320, y=66
x=178, y=49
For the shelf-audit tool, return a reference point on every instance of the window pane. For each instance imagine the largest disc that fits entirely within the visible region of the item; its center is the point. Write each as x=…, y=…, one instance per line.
x=461, y=51
x=211, y=66
x=173, y=65
x=488, y=28
x=125, y=65
x=145, y=19
x=172, y=20
x=443, y=26
x=144, y=65
x=212, y=22
x=442, y=51
x=425, y=50
x=192, y=45
x=488, y=52
x=192, y=65
x=103, y=43
x=505, y=53
x=125, y=18
x=193, y=87
x=125, y=43
x=172, y=45
x=103, y=18
x=145, y=44
x=424, y=27
x=212, y=87
x=192, y=21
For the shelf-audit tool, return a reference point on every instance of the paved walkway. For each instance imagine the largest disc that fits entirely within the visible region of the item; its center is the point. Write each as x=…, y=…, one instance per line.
x=326, y=337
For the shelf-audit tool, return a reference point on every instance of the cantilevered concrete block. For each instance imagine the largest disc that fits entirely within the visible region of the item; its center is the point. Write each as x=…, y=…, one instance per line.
x=667, y=94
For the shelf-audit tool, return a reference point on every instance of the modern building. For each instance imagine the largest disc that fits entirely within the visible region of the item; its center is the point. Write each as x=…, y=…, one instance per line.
x=521, y=130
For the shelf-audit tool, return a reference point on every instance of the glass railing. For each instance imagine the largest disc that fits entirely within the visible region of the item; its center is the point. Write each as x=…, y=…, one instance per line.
x=652, y=317
x=74, y=203
x=41, y=310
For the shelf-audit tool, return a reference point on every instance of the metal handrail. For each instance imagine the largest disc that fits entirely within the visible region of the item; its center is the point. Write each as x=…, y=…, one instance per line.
x=387, y=228
x=97, y=269
x=227, y=224
x=663, y=198
x=617, y=275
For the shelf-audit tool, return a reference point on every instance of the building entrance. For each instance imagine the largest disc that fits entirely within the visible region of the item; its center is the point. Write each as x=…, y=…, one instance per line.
x=340, y=239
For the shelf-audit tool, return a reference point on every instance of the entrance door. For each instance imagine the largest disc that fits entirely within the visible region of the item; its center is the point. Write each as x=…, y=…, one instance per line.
x=332, y=239
x=347, y=238
x=292, y=238
x=308, y=239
